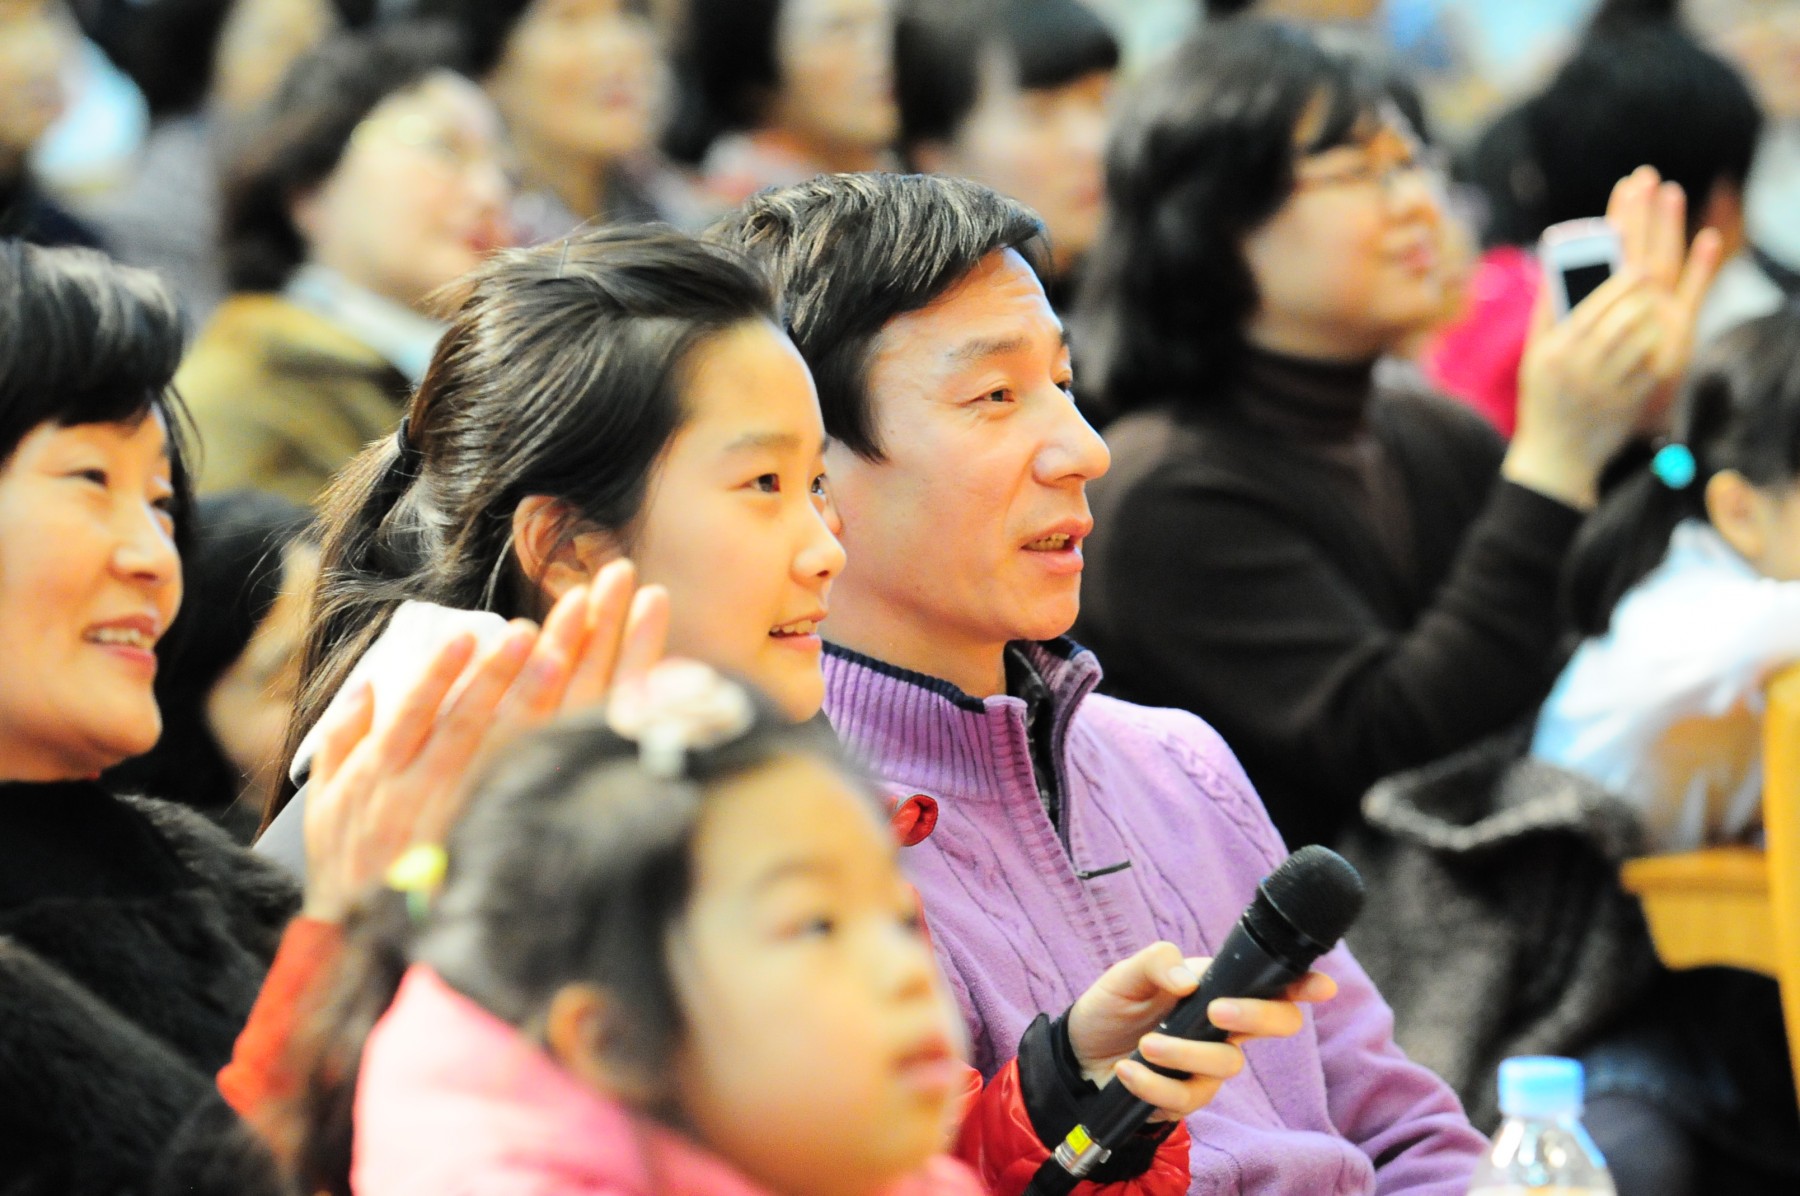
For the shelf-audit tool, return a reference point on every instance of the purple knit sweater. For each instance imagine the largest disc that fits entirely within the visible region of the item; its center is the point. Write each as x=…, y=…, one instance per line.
x=1336, y=1109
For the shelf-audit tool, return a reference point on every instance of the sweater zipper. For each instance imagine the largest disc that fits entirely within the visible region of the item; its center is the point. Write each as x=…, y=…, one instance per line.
x=1059, y=778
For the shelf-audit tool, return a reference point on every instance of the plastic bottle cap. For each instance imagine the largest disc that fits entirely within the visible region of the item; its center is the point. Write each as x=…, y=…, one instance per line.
x=1540, y=1086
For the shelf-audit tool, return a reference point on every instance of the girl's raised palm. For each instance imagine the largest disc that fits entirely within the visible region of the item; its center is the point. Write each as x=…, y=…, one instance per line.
x=375, y=791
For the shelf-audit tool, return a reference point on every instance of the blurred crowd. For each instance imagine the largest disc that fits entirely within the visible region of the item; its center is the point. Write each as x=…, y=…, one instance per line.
x=461, y=301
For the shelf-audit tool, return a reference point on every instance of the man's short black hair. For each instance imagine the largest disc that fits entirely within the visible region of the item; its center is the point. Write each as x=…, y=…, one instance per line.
x=850, y=252
x=939, y=46
x=1634, y=92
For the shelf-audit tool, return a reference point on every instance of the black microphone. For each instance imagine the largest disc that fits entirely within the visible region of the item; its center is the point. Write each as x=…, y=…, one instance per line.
x=1300, y=912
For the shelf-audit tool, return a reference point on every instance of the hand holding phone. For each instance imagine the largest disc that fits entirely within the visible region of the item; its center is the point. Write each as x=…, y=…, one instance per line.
x=1607, y=371
x=1577, y=256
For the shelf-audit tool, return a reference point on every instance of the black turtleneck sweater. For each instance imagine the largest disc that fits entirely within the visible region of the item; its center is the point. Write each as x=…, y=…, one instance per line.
x=1322, y=562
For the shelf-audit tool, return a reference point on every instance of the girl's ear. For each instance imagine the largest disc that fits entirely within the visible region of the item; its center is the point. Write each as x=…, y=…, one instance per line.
x=557, y=562
x=1739, y=512
x=584, y=1034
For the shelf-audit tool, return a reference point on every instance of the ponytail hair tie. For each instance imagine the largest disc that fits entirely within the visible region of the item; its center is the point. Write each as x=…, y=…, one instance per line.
x=407, y=463
x=1674, y=466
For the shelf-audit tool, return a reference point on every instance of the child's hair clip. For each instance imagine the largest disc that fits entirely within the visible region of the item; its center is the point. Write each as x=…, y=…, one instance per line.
x=1674, y=466
x=418, y=873
x=681, y=707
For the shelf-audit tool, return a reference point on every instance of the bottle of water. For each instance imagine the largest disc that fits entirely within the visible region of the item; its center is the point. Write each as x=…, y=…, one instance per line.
x=1541, y=1148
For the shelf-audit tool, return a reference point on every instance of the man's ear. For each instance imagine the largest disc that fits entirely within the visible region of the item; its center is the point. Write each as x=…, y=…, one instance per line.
x=549, y=555
x=584, y=1033
x=1738, y=512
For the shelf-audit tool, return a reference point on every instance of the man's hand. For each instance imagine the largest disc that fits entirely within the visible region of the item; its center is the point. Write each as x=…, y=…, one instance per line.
x=1114, y=1017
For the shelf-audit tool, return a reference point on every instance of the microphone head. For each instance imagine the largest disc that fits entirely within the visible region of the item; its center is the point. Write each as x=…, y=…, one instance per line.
x=1316, y=892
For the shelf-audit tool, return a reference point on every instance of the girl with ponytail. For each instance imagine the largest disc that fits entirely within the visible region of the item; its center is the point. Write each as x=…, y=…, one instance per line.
x=622, y=405
x=1686, y=583
x=624, y=395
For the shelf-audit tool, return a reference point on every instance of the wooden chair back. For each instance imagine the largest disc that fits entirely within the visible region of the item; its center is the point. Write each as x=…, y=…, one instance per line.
x=1738, y=906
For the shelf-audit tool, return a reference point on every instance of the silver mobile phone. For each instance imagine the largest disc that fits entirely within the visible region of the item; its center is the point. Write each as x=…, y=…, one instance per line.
x=1578, y=255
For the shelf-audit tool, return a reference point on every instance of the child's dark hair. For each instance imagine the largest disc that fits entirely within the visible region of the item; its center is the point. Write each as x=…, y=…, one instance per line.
x=572, y=864
x=561, y=375
x=1740, y=411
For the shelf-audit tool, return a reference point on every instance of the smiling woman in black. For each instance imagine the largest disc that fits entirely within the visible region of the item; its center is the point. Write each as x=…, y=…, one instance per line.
x=1346, y=574
x=134, y=935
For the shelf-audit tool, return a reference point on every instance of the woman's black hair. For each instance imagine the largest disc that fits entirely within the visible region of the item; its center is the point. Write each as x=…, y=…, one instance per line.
x=727, y=61
x=1203, y=153
x=561, y=375
x=1501, y=167
x=485, y=26
x=165, y=47
x=572, y=864
x=300, y=135
x=939, y=45
x=169, y=47
x=1611, y=13
x=1740, y=410
x=85, y=340
x=232, y=577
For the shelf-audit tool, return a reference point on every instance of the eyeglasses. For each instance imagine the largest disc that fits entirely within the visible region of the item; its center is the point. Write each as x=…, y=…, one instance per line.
x=1422, y=165
x=452, y=150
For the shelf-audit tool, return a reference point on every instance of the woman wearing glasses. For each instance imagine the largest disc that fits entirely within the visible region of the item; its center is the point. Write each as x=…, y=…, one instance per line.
x=375, y=176
x=1346, y=574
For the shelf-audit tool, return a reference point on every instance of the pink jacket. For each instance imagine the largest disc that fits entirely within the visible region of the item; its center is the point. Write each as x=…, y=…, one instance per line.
x=452, y=1101
x=1477, y=358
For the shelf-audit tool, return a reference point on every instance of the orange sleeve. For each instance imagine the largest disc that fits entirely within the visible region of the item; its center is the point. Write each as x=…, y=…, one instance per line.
x=255, y=1075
